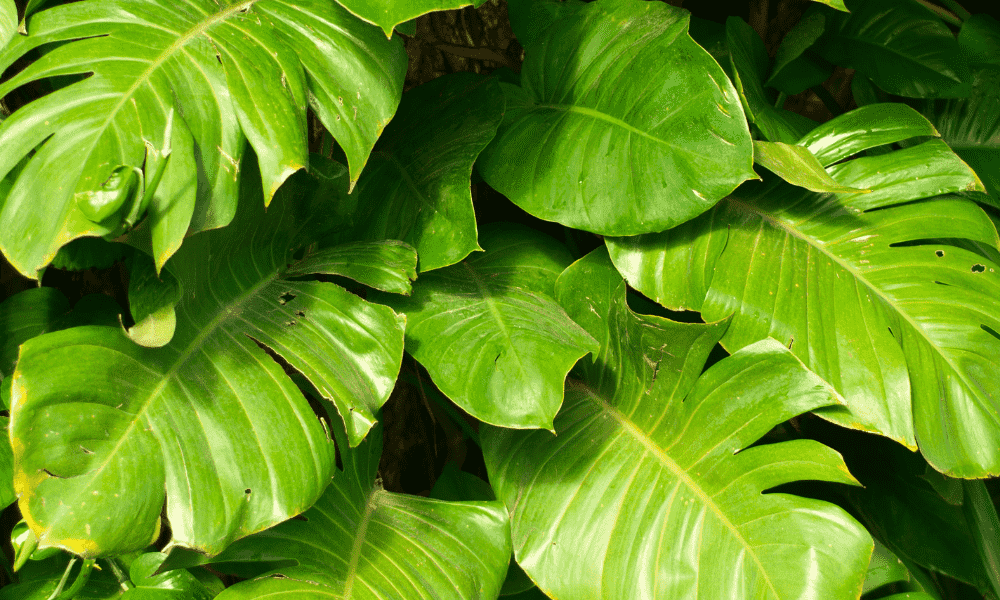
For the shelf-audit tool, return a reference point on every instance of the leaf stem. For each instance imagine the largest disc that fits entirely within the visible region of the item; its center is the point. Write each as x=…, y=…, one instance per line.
x=944, y=14
x=81, y=580
x=122, y=578
x=982, y=516
x=62, y=582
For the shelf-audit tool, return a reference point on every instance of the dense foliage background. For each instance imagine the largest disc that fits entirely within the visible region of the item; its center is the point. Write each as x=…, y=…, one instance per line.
x=449, y=299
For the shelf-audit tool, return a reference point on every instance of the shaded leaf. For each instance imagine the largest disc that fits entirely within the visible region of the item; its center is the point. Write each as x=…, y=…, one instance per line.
x=416, y=186
x=151, y=299
x=884, y=568
x=796, y=68
x=89, y=253
x=971, y=126
x=495, y=311
x=227, y=74
x=559, y=151
x=651, y=466
x=751, y=65
x=389, y=265
x=798, y=166
x=177, y=584
x=39, y=579
x=979, y=40
x=866, y=289
x=837, y=4
x=901, y=46
x=530, y=18
x=130, y=424
x=360, y=541
x=387, y=14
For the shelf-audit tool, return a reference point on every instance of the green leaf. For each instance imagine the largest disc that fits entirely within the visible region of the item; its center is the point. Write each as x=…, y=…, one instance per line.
x=360, y=541
x=8, y=21
x=884, y=568
x=207, y=425
x=178, y=584
x=900, y=45
x=387, y=14
x=495, y=311
x=530, y=18
x=981, y=514
x=652, y=466
x=389, y=265
x=89, y=253
x=867, y=127
x=587, y=107
x=979, y=40
x=7, y=496
x=39, y=579
x=837, y=4
x=798, y=166
x=416, y=186
x=796, y=68
x=24, y=316
x=906, y=314
x=751, y=65
x=971, y=126
x=152, y=298
x=243, y=71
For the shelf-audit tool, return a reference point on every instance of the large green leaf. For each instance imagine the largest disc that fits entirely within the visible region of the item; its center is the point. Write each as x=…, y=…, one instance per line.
x=619, y=130
x=971, y=126
x=900, y=45
x=8, y=21
x=387, y=14
x=208, y=424
x=530, y=18
x=248, y=68
x=362, y=542
x=870, y=290
x=489, y=333
x=650, y=488
x=416, y=185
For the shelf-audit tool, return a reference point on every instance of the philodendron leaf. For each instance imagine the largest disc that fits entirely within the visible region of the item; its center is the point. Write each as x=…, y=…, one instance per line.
x=495, y=311
x=907, y=311
x=227, y=73
x=208, y=424
x=650, y=489
x=622, y=157
x=530, y=18
x=8, y=21
x=388, y=265
x=971, y=126
x=901, y=46
x=796, y=67
x=416, y=186
x=750, y=65
x=387, y=14
x=177, y=584
x=361, y=542
x=798, y=166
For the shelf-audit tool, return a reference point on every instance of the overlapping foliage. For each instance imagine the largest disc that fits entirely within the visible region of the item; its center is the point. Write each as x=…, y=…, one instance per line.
x=625, y=273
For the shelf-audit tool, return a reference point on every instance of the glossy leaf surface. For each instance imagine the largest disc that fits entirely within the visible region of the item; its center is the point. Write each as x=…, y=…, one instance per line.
x=362, y=542
x=208, y=424
x=387, y=14
x=798, y=166
x=226, y=73
x=649, y=489
x=495, y=310
x=595, y=98
x=389, y=265
x=8, y=21
x=416, y=185
x=900, y=45
x=855, y=285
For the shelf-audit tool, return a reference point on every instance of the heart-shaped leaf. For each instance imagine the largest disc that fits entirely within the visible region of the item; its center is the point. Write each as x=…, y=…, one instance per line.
x=650, y=488
x=495, y=310
x=560, y=151
x=120, y=436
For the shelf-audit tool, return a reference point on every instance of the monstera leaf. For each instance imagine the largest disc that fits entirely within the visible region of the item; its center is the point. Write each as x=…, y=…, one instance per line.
x=642, y=95
x=495, y=310
x=105, y=432
x=362, y=542
x=650, y=488
x=876, y=292
x=178, y=89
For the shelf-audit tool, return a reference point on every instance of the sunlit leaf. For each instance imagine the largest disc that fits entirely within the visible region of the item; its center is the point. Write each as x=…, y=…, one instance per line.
x=597, y=98
x=650, y=489
x=387, y=14
x=798, y=166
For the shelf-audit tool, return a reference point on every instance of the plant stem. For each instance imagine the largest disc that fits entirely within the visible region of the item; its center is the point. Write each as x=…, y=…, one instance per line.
x=62, y=582
x=985, y=525
x=81, y=580
x=957, y=8
x=945, y=15
x=780, y=102
x=828, y=100
x=122, y=578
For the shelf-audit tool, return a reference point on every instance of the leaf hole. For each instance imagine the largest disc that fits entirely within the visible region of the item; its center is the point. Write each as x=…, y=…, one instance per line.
x=990, y=331
x=286, y=298
x=939, y=253
x=289, y=323
x=978, y=268
x=51, y=474
x=248, y=491
x=300, y=313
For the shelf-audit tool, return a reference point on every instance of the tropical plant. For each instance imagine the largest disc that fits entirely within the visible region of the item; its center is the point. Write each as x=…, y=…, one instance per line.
x=466, y=299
